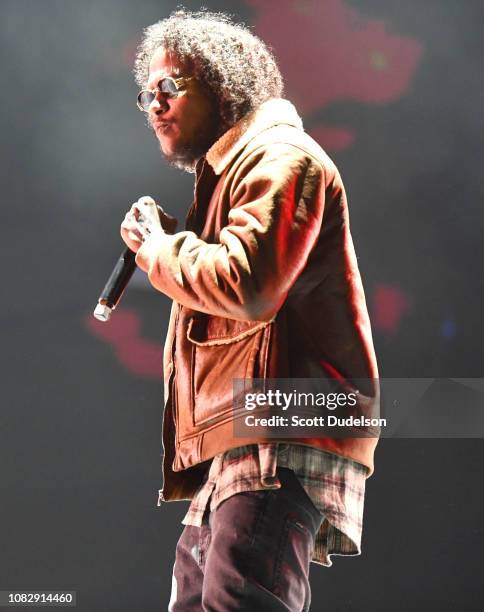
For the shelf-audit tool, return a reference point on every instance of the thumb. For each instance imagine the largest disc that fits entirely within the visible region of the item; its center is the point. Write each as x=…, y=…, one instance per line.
x=168, y=223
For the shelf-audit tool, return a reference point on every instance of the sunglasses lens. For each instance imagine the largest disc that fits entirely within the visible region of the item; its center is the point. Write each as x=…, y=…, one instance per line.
x=168, y=86
x=145, y=98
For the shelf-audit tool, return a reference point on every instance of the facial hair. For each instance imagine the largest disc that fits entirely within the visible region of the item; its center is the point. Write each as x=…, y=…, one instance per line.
x=186, y=155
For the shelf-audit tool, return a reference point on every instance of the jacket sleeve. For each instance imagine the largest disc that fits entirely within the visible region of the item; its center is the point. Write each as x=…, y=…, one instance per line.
x=276, y=210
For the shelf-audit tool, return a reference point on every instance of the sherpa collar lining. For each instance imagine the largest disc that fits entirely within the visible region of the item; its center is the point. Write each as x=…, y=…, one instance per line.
x=275, y=111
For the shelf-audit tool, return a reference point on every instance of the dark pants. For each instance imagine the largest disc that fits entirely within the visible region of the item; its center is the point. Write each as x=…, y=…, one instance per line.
x=252, y=553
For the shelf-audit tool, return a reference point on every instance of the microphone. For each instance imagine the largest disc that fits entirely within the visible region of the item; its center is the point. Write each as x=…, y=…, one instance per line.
x=122, y=273
x=117, y=283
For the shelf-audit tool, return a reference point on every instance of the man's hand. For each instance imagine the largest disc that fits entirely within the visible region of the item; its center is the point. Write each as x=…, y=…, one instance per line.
x=144, y=219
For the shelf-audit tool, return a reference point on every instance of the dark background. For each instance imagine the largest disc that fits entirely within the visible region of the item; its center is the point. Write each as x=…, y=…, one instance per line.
x=394, y=92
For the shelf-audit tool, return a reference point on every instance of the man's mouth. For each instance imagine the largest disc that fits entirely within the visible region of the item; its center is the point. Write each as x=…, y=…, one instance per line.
x=160, y=127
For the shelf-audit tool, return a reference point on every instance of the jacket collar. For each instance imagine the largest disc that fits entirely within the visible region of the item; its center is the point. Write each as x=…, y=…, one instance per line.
x=275, y=111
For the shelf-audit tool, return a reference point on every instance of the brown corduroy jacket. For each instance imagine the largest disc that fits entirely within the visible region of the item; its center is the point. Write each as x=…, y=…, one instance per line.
x=265, y=284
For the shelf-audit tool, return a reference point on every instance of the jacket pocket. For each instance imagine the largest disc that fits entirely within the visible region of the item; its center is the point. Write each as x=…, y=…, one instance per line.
x=223, y=350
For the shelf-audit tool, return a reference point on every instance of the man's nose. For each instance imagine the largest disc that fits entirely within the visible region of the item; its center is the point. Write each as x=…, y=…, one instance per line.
x=159, y=103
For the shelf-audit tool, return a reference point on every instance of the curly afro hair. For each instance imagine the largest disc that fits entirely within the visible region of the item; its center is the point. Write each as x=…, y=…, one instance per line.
x=235, y=65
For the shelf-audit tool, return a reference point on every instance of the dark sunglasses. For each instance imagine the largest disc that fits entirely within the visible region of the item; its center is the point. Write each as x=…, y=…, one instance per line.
x=168, y=86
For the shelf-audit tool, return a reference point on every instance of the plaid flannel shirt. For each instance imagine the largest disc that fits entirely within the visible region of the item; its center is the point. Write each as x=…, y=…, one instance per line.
x=335, y=485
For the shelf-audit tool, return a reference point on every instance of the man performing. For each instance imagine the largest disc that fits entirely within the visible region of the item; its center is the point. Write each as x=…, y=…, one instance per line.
x=265, y=284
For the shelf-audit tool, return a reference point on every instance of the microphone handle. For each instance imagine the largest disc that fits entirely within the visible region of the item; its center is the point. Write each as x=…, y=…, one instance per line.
x=117, y=283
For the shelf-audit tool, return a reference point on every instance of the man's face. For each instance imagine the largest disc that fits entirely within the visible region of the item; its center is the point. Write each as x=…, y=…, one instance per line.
x=186, y=126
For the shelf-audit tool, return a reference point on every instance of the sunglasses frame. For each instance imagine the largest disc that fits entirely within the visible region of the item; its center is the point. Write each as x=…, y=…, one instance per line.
x=179, y=82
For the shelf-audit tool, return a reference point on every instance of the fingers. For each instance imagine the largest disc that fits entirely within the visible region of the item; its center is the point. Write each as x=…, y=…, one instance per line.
x=133, y=229
x=135, y=237
x=168, y=223
x=146, y=201
x=145, y=205
x=145, y=212
x=145, y=217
